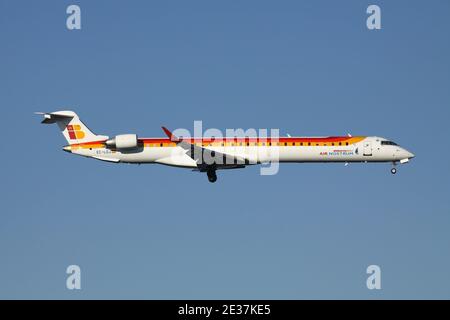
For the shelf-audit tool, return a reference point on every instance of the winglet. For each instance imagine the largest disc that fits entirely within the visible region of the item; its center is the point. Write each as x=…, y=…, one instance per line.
x=170, y=135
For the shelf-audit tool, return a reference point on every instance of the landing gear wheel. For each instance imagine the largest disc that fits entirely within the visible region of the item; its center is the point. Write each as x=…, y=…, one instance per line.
x=393, y=171
x=212, y=177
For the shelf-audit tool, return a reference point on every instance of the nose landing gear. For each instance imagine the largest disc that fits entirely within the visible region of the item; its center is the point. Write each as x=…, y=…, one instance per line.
x=394, y=170
x=212, y=177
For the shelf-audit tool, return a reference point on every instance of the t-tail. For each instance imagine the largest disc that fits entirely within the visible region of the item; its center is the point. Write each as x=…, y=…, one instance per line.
x=72, y=128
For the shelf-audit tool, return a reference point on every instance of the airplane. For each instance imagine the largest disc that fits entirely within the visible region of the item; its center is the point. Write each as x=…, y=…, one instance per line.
x=213, y=153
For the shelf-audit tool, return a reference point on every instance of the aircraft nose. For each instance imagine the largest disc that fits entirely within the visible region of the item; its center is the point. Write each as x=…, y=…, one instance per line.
x=407, y=154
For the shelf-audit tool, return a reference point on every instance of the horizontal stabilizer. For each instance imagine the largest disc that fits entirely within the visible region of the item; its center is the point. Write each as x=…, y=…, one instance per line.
x=53, y=117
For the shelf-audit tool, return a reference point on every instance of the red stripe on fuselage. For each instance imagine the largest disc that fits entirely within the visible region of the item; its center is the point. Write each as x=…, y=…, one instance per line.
x=245, y=140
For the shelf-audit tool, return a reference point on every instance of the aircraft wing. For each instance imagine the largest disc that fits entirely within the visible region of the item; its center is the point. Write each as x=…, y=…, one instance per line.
x=204, y=157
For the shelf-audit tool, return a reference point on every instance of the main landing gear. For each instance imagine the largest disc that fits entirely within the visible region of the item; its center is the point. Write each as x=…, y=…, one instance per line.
x=212, y=177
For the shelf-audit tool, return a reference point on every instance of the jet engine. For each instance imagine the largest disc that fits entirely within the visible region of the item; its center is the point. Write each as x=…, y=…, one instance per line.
x=123, y=141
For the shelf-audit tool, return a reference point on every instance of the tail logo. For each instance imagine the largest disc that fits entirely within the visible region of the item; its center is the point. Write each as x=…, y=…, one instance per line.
x=75, y=132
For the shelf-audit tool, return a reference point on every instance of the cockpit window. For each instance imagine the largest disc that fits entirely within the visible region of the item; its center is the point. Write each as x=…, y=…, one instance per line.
x=388, y=143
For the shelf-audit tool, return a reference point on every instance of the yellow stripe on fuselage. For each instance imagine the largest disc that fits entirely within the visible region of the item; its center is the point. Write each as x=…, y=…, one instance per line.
x=238, y=142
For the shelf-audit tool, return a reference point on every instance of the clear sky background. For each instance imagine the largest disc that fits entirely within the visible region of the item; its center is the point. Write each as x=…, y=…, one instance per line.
x=150, y=231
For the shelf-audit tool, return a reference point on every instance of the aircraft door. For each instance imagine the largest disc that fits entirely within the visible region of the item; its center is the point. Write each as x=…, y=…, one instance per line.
x=367, y=148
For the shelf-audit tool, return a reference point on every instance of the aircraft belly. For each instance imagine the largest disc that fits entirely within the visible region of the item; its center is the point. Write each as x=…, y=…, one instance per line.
x=177, y=156
x=143, y=155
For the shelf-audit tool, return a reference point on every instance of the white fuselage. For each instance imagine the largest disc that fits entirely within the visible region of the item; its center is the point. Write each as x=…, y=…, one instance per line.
x=341, y=149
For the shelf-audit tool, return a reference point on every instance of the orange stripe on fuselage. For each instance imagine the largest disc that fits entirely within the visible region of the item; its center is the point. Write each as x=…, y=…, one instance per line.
x=166, y=142
x=88, y=145
x=312, y=140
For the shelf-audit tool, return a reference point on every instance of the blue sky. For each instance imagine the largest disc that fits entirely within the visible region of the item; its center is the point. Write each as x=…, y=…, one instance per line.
x=154, y=232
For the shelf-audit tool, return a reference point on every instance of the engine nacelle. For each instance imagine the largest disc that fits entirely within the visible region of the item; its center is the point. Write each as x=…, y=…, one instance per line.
x=123, y=141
